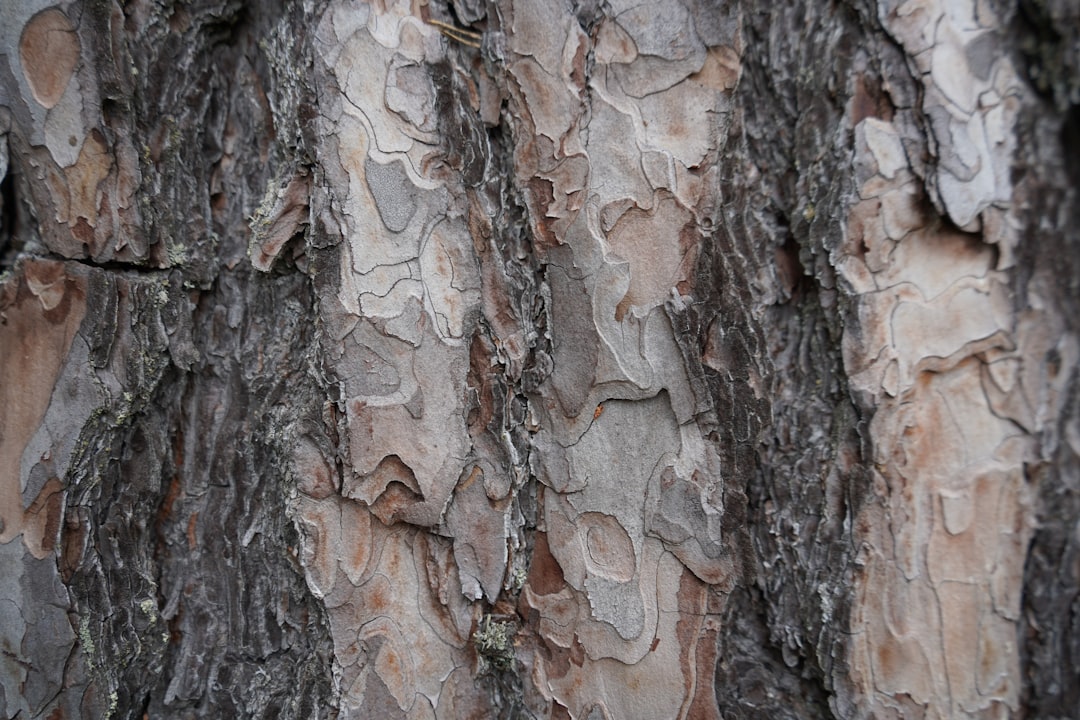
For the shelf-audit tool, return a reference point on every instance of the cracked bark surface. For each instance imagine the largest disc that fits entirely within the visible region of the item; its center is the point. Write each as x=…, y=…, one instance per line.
x=539, y=359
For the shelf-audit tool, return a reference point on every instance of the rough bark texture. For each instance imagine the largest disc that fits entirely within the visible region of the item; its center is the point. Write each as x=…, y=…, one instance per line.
x=540, y=359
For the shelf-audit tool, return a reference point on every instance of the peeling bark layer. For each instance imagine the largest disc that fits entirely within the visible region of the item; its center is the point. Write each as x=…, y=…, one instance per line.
x=538, y=359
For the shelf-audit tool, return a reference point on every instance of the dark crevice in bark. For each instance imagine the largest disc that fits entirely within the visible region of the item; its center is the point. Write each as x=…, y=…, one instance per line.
x=789, y=622
x=9, y=221
x=1047, y=176
x=189, y=598
x=753, y=680
x=111, y=266
x=113, y=579
x=589, y=13
x=1070, y=143
x=509, y=251
x=1048, y=41
x=461, y=132
x=227, y=520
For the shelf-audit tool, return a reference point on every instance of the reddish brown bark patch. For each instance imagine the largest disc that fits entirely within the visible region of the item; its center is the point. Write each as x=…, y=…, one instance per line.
x=40, y=313
x=49, y=51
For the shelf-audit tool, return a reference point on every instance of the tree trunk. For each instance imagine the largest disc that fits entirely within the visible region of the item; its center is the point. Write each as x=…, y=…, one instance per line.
x=531, y=358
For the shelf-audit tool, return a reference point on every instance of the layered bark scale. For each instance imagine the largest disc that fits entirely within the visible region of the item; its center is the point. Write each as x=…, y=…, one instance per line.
x=601, y=360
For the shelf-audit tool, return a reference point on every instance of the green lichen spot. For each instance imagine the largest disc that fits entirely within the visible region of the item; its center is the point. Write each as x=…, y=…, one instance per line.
x=149, y=608
x=176, y=255
x=86, y=641
x=494, y=643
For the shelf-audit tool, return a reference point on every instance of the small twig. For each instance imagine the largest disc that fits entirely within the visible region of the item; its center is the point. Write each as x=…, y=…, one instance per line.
x=454, y=29
x=461, y=35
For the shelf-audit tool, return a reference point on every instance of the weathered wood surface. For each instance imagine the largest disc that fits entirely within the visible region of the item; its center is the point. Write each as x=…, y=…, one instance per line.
x=537, y=358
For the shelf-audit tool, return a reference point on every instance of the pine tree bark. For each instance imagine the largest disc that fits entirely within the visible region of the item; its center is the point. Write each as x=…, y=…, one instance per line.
x=539, y=359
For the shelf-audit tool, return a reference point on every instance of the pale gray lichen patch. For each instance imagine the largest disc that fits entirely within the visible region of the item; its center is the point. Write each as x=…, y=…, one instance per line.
x=494, y=642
